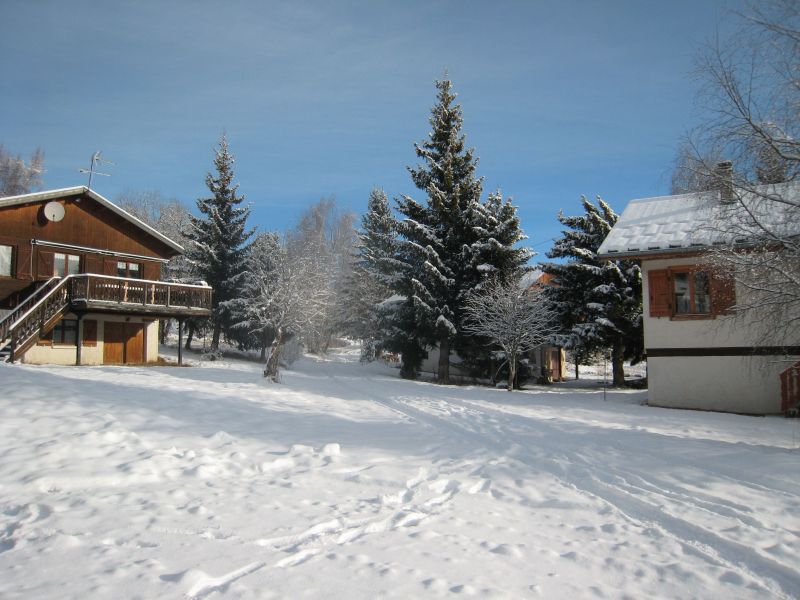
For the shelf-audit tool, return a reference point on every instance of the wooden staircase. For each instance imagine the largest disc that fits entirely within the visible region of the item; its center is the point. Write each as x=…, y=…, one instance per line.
x=34, y=317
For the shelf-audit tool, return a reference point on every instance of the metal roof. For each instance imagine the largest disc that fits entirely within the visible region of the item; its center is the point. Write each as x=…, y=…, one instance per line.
x=693, y=222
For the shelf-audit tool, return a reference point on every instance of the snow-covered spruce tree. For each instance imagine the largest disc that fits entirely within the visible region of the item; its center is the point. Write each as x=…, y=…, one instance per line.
x=452, y=242
x=219, y=239
x=373, y=272
x=599, y=302
x=495, y=256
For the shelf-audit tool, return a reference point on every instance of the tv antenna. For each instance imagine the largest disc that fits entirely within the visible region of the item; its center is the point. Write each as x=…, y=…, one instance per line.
x=95, y=161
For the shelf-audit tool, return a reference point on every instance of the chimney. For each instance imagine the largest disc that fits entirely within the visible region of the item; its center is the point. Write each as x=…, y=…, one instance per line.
x=723, y=181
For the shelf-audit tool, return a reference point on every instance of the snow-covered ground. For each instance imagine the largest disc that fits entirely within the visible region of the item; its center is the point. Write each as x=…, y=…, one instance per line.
x=346, y=482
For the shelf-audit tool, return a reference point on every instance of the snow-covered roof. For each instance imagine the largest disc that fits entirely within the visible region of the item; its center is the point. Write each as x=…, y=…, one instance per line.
x=82, y=190
x=531, y=277
x=691, y=222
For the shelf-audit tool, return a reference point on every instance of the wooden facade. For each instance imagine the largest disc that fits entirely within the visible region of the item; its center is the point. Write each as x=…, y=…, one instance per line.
x=98, y=236
x=91, y=261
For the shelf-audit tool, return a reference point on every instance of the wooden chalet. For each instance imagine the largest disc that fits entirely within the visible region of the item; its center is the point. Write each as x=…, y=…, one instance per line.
x=80, y=281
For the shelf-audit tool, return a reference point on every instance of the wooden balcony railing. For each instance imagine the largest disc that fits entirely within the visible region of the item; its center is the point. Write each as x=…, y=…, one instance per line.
x=106, y=291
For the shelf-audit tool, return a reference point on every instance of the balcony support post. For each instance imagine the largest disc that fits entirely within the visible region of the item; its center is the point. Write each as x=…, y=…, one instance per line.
x=180, y=342
x=78, y=339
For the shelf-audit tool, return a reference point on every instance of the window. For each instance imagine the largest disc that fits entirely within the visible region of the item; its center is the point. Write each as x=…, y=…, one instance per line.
x=129, y=269
x=6, y=252
x=66, y=264
x=692, y=293
x=64, y=333
x=689, y=292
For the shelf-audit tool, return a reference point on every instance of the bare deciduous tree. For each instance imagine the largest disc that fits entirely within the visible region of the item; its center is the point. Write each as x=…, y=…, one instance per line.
x=283, y=303
x=322, y=244
x=751, y=89
x=514, y=318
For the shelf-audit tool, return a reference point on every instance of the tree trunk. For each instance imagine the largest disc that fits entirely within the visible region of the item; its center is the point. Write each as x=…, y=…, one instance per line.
x=577, y=371
x=326, y=343
x=406, y=370
x=271, y=368
x=444, y=360
x=512, y=371
x=215, y=337
x=189, y=336
x=617, y=363
x=166, y=325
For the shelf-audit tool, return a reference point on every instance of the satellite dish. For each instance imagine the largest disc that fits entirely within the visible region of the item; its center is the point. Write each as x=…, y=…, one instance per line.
x=53, y=211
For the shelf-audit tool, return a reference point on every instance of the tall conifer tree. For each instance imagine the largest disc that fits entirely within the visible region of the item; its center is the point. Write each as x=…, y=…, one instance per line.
x=599, y=302
x=453, y=242
x=368, y=285
x=220, y=238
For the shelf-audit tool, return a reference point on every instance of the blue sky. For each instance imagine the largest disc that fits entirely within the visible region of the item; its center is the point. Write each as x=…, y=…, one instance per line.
x=318, y=98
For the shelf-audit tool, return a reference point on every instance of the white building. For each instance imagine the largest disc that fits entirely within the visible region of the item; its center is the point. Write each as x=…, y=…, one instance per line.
x=699, y=354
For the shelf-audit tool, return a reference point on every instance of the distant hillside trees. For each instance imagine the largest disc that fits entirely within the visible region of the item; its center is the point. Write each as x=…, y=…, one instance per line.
x=598, y=302
x=18, y=177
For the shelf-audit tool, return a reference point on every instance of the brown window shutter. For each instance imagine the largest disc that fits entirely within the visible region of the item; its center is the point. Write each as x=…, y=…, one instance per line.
x=110, y=266
x=660, y=295
x=45, y=264
x=723, y=294
x=152, y=271
x=89, y=332
x=93, y=264
x=23, y=270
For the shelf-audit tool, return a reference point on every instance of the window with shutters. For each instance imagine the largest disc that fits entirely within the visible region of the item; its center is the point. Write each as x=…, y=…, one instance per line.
x=689, y=292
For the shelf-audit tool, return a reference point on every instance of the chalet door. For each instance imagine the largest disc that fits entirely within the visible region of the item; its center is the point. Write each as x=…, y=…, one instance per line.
x=134, y=343
x=123, y=343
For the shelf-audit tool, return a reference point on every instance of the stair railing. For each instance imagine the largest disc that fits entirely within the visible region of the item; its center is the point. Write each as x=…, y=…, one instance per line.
x=9, y=319
x=30, y=323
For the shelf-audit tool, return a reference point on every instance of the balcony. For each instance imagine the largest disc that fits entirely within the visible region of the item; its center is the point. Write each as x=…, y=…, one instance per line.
x=104, y=293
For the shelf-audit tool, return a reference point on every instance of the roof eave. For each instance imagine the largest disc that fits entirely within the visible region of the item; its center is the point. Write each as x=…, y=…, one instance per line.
x=653, y=253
